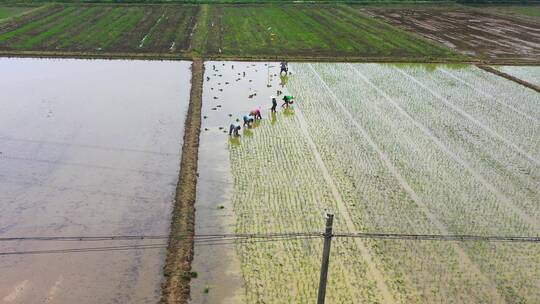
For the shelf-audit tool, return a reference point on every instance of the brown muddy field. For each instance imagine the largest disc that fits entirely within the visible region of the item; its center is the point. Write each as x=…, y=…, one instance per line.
x=470, y=32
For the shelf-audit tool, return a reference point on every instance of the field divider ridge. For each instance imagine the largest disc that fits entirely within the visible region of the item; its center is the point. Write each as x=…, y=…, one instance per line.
x=176, y=285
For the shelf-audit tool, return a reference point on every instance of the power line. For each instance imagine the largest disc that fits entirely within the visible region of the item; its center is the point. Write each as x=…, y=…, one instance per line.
x=234, y=236
x=245, y=238
x=441, y=237
x=203, y=242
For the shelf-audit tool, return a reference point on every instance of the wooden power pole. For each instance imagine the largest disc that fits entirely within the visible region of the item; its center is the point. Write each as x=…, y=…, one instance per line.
x=325, y=258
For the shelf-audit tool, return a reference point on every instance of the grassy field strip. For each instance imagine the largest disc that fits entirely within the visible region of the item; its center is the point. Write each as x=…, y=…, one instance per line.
x=373, y=272
x=57, y=28
x=511, y=207
x=132, y=38
x=14, y=22
x=85, y=38
x=305, y=30
x=12, y=11
x=487, y=95
x=528, y=73
x=378, y=114
x=293, y=199
x=7, y=36
x=490, y=125
x=119, y=27
x=402, y=182
x=66, y=39
x=151, y=30
x=99, y=28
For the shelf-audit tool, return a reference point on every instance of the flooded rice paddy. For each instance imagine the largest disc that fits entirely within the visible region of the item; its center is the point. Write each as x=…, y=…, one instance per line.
x=231, y=89
x=87, y=148
x=429, y=149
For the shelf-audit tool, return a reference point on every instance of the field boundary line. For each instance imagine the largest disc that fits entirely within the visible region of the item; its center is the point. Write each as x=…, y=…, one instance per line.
x=470, y=117
x=175, y=286
x=364, y=251
x=452, y=155
x=408, y=189
x=488, y=95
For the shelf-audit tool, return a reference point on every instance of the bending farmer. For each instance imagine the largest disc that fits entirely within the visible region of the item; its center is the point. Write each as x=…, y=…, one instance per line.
x=234, y=129
x=248, y=120
x=284, y=68
x=256, y=113
x=287, y=101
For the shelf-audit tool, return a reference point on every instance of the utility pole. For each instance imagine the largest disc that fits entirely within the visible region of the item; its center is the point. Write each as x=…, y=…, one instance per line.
x=325, y=258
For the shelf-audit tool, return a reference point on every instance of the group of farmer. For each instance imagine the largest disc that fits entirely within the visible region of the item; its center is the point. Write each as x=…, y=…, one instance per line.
x=255, y=114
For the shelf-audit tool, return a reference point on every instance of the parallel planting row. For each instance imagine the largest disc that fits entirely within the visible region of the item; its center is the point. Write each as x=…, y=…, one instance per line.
x=219, y=30
x=101, y=28
x=310, y=31
x=402, y=149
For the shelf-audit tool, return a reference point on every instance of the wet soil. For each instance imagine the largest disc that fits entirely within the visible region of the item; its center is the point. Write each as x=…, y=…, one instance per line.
x=473, y=33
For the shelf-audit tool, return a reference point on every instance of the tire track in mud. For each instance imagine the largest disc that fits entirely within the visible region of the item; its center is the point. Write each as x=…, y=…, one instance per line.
x=175, y=288
x=471, y=118
x=507, y=202
x=408, y=189
x=374, y=273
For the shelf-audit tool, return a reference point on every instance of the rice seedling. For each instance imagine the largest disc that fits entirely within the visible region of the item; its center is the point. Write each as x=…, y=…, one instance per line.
x=390, y=148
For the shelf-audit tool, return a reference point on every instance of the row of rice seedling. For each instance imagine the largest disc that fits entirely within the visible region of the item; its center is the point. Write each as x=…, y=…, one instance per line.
x=421, y=167
x=279, y=188
x=378, y=202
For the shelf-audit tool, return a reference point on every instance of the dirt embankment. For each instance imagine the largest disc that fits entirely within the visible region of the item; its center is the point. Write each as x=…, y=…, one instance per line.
x=177, y=268
x=509, y=77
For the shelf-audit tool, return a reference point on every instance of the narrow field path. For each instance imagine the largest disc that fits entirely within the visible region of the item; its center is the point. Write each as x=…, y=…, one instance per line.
x=175, y=288
x=408, y=189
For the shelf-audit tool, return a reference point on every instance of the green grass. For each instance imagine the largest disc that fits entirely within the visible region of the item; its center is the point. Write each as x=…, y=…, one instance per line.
x=309, y=30
x=10, y=11
x=529, y=12
x=229, y=31
x=102, y=28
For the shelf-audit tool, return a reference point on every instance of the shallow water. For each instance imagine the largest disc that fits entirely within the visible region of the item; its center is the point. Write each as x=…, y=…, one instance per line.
x=87, y=147
x=226, y=98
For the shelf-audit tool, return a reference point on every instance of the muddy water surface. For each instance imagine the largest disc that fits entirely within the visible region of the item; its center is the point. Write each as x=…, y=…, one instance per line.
x=231, y=90
x=87, y=148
